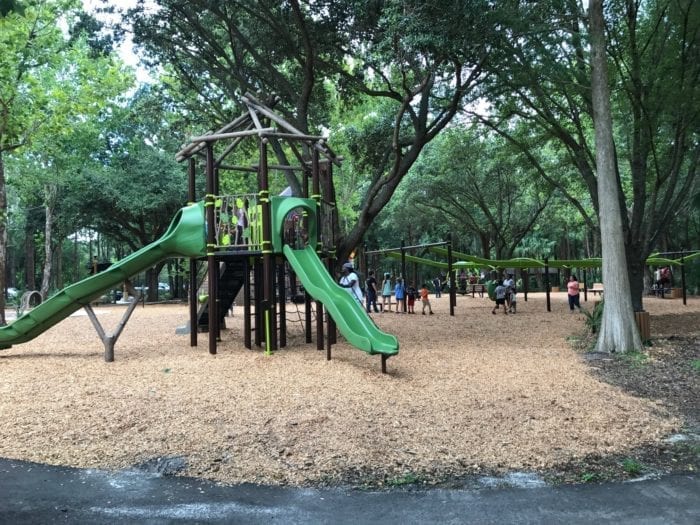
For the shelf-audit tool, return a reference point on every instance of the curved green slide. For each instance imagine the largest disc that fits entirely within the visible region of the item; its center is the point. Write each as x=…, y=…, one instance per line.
x=185, y=237
x=349, y=315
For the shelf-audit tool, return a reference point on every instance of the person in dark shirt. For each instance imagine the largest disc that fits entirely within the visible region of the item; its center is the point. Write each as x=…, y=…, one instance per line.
x=371, y=286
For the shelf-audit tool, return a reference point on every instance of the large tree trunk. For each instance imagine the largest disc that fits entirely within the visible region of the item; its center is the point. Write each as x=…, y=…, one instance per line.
x=618, y=331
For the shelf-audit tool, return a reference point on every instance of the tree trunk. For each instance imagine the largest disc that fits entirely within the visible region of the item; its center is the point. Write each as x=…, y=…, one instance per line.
x=618, y=331
x=46, y=274
x=3, y=240
x=59, y=265
x=152, y=281
x=636, y=267
x=29, y=257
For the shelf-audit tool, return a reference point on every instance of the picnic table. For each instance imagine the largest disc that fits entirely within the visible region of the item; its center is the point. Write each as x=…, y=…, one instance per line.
x=474, y=289
x=596, y=289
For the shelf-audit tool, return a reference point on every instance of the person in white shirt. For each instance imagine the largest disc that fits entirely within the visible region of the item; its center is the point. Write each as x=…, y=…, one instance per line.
x=351, y=282
x=509, y=284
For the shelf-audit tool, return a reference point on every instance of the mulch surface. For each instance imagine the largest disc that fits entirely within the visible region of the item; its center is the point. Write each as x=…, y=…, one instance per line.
x=468, y=395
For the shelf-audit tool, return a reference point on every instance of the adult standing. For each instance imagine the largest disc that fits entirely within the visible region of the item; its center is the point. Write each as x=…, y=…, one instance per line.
x=371, y=292
x=350, y=282
x=437, y=286
x=573, y=293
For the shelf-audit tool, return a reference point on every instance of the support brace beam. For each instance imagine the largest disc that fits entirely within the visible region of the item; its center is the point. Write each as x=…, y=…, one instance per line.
x=109, y=340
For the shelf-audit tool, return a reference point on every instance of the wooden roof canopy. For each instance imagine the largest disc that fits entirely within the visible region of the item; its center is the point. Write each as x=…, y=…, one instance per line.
x=250, y=124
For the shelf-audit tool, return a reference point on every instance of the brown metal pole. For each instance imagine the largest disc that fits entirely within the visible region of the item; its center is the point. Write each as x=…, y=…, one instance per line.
x=453, y=295
x=268, y=284
x=403, y=276
x=259, y=299
x=194, y=300
x=316, y=195
x=211, y=244
x=546, y=283
x=307, y=316
x=282, y=302
x=247, y=325
x=319, y=326
x=685, y=297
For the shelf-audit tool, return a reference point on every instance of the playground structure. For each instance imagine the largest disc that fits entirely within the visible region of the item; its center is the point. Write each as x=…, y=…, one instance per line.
x=277, y=239
x=252, y=243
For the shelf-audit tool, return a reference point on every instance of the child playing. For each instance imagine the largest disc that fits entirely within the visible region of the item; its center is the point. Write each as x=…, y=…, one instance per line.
x=386, y=293
x=399, y=291
x=500, y=298
x=513, y=301
x=411, y=294
x=424, y=299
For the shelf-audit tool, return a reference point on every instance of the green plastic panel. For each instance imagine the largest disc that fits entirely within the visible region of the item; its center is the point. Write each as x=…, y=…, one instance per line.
x=349, y=315
x=281, y=206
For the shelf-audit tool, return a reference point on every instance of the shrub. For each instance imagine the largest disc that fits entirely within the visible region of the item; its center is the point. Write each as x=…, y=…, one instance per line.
x=594, y=317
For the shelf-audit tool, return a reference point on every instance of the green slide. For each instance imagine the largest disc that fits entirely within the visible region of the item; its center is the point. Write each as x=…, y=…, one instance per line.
x=185, y=237
x=350, y=316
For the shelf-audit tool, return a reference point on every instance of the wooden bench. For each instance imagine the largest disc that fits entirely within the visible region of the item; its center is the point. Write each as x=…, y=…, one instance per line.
x=473, y=289
x=596, y=289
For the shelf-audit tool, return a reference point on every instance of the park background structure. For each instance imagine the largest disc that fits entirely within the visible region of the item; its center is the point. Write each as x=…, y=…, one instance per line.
x=452, y=260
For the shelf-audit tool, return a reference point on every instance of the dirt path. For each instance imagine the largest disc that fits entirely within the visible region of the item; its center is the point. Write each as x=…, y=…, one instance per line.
x=469, y=394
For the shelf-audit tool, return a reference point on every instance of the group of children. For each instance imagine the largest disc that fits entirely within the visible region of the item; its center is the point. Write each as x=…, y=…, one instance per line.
x=400, y=292
x=506, y=295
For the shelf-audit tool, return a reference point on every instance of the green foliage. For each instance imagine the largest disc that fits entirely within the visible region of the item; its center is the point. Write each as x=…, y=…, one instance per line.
x=590, y=477
x=406, y=479
x=635, y=359
x=52, y=89
x=140, y=183
x=632, y=466
x=695, y=364
x=472, y=181
x=594, y=318
x=542, y=98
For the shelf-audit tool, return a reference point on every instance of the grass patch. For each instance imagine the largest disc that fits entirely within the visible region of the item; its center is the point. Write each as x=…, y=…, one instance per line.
x=635, y=359
x=632, y=466
x=407, y=479
x=695, y=365
x=589, y=477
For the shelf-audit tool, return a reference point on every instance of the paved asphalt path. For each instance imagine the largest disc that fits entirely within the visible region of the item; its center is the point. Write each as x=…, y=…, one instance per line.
x=40, y=494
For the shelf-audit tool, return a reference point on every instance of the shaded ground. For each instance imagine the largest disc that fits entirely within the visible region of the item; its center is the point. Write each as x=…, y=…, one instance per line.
x=468, y=396
x=668, y=371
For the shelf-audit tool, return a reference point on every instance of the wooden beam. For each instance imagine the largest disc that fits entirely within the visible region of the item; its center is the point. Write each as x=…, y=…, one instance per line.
x=232, y=135
x=192, y=148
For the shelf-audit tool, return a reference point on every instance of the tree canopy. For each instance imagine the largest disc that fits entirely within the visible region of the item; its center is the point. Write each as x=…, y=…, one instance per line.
x=474, y=119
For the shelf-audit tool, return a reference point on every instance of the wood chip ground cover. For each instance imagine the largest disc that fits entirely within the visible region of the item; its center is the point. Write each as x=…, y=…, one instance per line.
x=470, y=394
